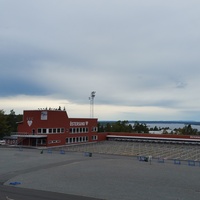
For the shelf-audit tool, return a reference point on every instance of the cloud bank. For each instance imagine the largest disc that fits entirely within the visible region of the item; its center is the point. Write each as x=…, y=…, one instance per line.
x=141, y=57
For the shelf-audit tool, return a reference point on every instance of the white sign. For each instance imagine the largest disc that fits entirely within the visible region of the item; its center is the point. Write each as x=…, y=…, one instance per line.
x=79, y=123
x=29, y=121
x=44, y=115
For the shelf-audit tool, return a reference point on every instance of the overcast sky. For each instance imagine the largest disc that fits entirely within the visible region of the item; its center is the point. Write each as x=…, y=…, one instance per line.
x=142, y=57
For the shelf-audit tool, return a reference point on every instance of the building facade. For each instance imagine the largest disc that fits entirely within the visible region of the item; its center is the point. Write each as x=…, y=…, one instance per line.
x=54, y=128
x=48, y=128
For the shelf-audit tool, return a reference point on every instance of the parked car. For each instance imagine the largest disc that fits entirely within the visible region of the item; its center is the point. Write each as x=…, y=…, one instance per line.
x=2, y=142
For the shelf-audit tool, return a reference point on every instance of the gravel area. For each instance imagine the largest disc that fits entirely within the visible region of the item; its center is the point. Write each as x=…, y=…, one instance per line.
x=101, y=176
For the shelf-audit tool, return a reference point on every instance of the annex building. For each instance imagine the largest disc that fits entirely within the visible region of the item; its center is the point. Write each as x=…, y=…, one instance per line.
x=53, y=127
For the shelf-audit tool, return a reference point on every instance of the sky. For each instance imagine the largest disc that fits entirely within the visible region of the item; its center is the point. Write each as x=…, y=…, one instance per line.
x=141, y=57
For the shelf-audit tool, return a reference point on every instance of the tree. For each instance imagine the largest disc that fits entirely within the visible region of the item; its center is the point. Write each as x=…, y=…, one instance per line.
x=8, y=123
x=140, y=128
x=11, y=121
x=188, y=130
x=119, y=126
x=156, y=128
x=108, y=127
x=100, y=127
x=3, y=124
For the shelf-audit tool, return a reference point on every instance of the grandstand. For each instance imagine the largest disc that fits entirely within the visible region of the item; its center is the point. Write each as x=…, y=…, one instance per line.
x=181, y=151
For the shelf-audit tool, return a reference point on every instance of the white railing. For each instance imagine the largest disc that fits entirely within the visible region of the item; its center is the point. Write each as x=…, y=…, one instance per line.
x=20, y=133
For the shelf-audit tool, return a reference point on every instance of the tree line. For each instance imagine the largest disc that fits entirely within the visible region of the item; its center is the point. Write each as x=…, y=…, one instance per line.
x=125, y=126
x=8, y=122
x=122, y=126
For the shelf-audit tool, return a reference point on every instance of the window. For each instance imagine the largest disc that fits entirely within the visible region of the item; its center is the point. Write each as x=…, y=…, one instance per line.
x=78, y=130
x=44, y=130
x=50, y=130
x=94, y=137
x=54, y=130
x=42, y=141
x=94, y=129
x=67, y=140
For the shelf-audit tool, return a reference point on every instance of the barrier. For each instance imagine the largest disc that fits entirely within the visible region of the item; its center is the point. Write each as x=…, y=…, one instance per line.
x=20, y=149
x=88, y=154
x=191, y=162
x=49, y=151
x=161, y=160
x=15, y=183
x=62, y=152
x=177, y=162
x=143, y=158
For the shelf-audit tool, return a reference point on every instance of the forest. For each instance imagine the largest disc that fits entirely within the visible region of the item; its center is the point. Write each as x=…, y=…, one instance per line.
x=8, y=122
x=125, y=126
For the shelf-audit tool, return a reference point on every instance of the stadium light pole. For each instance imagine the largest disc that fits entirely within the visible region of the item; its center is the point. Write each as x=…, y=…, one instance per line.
x=91, y=98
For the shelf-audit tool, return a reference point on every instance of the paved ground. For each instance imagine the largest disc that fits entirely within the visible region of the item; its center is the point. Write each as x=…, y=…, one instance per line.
x=100, y=176
x=15, y=193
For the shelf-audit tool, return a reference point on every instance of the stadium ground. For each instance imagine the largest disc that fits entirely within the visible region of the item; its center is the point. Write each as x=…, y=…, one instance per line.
x=102, y=176
x=156, y=150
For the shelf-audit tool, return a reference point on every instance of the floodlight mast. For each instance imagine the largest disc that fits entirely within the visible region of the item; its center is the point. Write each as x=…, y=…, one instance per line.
x=91, y=98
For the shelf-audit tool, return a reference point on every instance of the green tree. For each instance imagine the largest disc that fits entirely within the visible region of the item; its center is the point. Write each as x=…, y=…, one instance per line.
x=188, y=130
x=116, y=127
x=108, y=127
x=11, y=121
x=155, y=128
x=4, y=129
x=100, y=127
x=140, y=128
x=121, y=126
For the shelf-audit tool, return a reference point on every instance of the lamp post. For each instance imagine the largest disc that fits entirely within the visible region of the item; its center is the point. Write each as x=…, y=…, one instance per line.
x=91, y=98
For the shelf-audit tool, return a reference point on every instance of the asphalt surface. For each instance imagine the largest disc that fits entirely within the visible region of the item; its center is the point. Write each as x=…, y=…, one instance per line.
x=74, y=176
x=15, y=162
x=14, y=193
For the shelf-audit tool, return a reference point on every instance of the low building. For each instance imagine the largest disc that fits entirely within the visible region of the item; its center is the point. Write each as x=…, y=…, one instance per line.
x=52, y=127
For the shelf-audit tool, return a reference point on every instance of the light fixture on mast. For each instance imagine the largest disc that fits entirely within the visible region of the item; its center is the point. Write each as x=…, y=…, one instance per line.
x=91, y=98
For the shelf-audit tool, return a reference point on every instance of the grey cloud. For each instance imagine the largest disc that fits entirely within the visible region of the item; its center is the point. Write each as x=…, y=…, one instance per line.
x=181, y=85
x=134, y=53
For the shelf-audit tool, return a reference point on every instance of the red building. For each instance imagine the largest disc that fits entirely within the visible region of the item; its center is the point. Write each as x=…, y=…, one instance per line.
x=55, y=128
x=49, y=128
